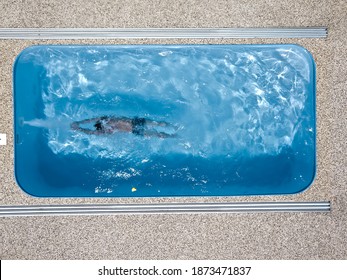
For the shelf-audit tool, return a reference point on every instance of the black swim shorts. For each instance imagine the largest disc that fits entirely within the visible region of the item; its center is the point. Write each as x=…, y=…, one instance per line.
x=138, y=125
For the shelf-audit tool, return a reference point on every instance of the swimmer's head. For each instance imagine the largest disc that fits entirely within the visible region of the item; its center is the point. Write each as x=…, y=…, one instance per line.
x=98, y=125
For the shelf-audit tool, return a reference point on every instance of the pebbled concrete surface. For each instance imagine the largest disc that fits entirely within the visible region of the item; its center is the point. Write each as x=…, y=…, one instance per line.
x=195, y=236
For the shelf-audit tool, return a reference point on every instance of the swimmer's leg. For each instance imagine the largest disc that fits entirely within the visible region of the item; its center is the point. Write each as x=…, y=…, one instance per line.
x=155, y=123
x=161, y=124
x=151, y=133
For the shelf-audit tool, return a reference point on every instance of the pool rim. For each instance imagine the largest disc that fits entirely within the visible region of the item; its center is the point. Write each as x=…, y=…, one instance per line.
x=302, y=49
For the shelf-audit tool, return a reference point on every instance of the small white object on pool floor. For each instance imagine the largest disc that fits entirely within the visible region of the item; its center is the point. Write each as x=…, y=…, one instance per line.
x=2, y=139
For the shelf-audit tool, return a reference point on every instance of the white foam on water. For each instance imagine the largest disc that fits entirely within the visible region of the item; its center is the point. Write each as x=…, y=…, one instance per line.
x=60, y=123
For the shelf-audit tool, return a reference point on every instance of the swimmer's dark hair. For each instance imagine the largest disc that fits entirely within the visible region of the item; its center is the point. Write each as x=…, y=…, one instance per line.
x=98, y=125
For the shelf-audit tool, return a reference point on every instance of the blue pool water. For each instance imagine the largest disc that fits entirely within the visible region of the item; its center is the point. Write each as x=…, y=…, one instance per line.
x=243, y=117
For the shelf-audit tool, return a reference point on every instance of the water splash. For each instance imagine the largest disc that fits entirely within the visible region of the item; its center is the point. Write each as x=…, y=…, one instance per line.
x=47, y=123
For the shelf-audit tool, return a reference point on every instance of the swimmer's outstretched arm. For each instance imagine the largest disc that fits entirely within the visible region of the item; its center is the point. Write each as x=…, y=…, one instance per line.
x=86, y=131
x=100, y=119
x=76, y=126
x=87, y=121
x=90, y=132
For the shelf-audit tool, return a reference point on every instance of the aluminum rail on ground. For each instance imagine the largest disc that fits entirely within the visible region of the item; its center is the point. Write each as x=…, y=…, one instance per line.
x=171, y=208
x=128, y=33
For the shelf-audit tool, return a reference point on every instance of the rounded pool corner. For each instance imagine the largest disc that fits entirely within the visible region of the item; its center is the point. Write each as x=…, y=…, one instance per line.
x=310, y=183
x=26, y=190
x=23, y=52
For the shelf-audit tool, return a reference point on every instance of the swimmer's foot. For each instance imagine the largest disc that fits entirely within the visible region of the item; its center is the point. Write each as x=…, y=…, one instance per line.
x=155, y=123
x=166, y=135
x=161, y=124
x=151, y=133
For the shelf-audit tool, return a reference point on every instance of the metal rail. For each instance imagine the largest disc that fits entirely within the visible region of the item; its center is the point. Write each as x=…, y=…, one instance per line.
x=128, y=33
x=172, y=208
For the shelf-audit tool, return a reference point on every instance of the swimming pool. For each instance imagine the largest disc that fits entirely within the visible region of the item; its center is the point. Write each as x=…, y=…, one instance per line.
x=164, y=120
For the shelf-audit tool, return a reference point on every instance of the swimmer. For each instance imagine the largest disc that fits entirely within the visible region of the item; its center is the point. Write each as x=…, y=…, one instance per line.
x=138, y=126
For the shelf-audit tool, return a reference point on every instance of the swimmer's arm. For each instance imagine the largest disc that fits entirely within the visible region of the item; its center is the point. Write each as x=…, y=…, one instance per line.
x=87, y=121
x=87, y=131
x=75, y=126
x=99, y=119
